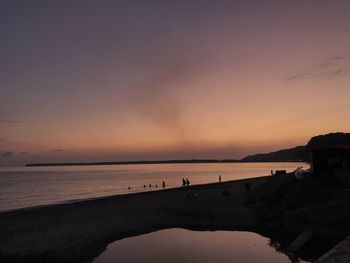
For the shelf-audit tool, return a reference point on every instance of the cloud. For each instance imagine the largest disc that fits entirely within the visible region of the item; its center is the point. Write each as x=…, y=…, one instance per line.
x=336, y=72
x=6, y=154
x=5, y=143
x=298, y=76
x=8, y=121
x=329, y=61
x=57, y=150
x=157, y=98
x=328, y=68
x=335, y=58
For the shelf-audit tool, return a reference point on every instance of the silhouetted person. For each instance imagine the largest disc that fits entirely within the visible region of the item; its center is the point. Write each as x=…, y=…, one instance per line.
x=150, y=185
x=187, y=182
x=271, y=172
x=156, y=186
x=129, y=187
x=183, y=182
x=219, y=178
x=144, y=186
x=163, y=184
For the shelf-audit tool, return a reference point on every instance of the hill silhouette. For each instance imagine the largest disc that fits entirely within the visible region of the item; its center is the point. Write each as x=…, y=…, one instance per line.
x=301, y=153
x=295, y=154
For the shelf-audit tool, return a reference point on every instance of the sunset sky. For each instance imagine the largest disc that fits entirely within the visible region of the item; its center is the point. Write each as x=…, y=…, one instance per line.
x=129, y=80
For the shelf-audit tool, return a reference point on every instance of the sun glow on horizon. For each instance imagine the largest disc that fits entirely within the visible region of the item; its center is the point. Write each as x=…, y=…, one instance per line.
x=122, y=81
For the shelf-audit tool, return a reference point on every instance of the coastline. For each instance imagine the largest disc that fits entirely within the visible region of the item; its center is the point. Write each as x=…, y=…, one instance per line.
x=81, y=230
x=43, y=188
x=189, y=161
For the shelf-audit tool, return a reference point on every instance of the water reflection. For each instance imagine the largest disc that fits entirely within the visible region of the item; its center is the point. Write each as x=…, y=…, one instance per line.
x=180, y=245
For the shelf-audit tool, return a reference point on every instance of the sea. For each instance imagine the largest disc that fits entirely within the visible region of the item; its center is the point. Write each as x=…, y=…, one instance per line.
x=28, y=187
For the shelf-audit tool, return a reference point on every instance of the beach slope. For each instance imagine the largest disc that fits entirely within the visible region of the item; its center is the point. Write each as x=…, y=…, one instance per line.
x=77, y=232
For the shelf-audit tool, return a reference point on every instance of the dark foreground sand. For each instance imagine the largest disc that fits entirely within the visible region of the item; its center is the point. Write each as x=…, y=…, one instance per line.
x=78, y=232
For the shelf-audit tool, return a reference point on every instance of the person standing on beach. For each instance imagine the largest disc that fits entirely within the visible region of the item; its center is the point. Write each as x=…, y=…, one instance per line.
x=163, y=184
x=183, y=182
x=219, y=178
x=187, y=182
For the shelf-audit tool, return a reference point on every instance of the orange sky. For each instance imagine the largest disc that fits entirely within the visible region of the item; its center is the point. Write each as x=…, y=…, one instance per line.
x=123, y=81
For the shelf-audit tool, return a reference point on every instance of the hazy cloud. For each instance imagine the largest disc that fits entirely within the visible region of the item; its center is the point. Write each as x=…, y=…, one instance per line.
x=158, y=99
x=335, y=58
x=6, y=117
x=298, y=76
x=57, y=150
x=5, y=143
x=337, y=72
x=6, y=154
x=328, y=68
x=8, y=121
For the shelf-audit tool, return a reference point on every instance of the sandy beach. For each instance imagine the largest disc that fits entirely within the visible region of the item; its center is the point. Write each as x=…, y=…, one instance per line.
x=108, y=107
x=77, y=232
x=80, y=231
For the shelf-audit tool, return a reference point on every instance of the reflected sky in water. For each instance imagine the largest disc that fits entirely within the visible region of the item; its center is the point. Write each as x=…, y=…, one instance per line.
x=180, y=245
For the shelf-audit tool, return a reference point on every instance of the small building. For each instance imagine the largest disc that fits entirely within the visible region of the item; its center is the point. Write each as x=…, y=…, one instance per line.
x=334, y=161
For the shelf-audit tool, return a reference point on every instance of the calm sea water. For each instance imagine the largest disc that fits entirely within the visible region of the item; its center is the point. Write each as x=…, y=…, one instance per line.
x=22, y=187
x=180, y=245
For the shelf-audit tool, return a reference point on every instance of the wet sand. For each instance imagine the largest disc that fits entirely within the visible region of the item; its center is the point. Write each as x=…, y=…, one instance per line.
x=80, y=231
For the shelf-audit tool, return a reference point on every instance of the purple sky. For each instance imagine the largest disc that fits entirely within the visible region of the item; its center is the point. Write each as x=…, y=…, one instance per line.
x=124, y=80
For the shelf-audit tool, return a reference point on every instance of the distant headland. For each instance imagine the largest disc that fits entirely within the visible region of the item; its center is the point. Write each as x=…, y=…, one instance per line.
x=295, y=154
x=137, y=162
x=301, y=153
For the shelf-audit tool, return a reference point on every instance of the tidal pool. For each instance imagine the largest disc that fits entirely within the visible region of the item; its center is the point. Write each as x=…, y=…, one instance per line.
x=180, y=245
